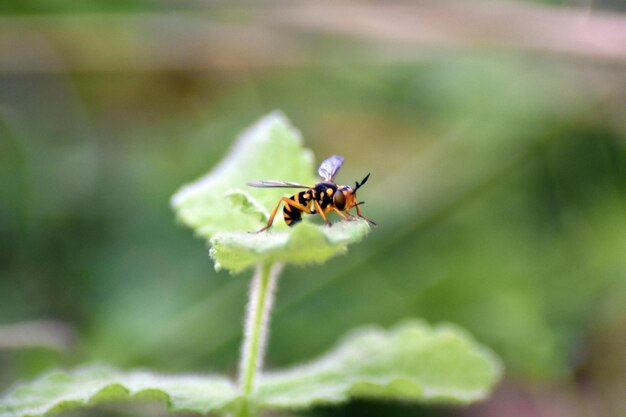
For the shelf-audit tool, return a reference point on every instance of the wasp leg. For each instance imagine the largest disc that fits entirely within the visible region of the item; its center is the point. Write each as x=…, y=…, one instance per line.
x=287, y=201
x=358, y=212
x=343, y=216
x=319, y=210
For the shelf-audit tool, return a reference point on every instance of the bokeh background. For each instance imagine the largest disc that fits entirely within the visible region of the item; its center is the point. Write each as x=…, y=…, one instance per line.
x=495, y=133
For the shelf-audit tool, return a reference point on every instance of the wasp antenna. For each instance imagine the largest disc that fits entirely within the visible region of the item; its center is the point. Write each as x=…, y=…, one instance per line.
x=360, y=203
x=362, y=182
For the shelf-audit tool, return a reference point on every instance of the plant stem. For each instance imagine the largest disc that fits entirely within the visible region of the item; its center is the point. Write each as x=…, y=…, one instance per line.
x=256, y=327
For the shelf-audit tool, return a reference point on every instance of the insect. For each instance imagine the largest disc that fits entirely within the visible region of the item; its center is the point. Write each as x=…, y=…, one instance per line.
x=323, y=198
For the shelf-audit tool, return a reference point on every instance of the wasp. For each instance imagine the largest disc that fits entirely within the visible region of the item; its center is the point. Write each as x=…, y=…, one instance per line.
x=322, y=198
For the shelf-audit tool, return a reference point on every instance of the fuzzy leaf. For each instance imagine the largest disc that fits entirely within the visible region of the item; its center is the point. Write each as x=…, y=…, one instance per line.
x=410, y=362
x=221, y=202
x=305, y=243
x=58, y=391
x=220, y=207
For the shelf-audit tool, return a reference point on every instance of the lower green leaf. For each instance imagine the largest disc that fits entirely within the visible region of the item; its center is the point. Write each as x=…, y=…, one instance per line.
x=411, y=362
x=58, y=391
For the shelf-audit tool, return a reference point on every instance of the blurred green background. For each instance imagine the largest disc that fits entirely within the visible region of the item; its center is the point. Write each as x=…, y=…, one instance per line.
x=496, y=138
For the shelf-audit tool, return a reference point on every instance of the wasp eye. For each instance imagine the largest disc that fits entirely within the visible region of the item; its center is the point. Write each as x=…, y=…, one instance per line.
x=339, y=200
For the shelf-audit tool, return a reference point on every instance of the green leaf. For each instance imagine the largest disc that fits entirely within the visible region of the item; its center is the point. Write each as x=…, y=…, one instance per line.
x=411, y=362
x=220, y=207
x=221, y=202
x=58, y=391
x=305, y=243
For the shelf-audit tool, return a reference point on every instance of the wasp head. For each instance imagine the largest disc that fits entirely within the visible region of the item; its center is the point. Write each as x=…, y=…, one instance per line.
x=345, y=196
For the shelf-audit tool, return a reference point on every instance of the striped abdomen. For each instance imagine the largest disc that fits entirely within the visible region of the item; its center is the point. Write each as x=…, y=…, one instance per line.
x=292, y=214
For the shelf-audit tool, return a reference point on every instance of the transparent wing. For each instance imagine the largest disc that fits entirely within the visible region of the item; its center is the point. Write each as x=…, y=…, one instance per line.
x=276, y=184
x=330, y=167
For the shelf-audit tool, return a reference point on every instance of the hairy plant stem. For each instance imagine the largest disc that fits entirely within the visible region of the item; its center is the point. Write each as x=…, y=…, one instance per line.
x=256, y=329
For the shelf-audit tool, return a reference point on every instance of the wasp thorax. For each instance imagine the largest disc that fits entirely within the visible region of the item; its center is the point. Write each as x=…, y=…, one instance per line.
x=339, y=200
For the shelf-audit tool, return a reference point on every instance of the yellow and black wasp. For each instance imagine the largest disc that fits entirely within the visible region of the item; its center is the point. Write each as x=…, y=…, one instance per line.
x=322, y=198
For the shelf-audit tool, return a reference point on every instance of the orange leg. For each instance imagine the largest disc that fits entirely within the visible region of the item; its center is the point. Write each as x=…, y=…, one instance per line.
x=321, y=212
x=289, y=202
x=343, y=216
x=358, y=212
